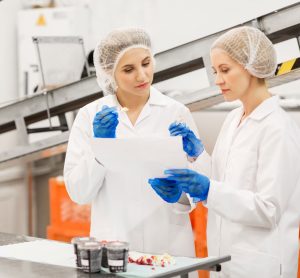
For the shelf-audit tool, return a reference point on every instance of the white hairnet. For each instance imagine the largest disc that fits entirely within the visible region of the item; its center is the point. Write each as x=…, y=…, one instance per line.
x=109, y=51
x=251, y=48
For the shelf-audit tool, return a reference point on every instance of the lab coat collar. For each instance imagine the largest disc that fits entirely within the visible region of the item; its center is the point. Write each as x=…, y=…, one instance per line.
x=157, y=98
x=112, y=101
x=265, y=108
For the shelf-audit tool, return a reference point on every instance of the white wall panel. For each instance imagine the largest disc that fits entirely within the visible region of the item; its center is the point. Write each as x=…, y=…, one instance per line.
x=175, y=22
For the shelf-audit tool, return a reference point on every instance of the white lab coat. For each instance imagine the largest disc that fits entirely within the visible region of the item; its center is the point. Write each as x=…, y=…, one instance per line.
x=253, y=201
x=120, y=212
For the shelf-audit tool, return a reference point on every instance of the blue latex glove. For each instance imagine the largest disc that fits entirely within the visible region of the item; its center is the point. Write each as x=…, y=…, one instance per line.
x=105, y=122
x=168, y=190
x=191, y=144
x=191, y=182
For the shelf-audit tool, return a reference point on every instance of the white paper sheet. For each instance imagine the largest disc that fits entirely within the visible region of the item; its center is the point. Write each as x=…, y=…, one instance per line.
x=41, y=251
x=146, y=156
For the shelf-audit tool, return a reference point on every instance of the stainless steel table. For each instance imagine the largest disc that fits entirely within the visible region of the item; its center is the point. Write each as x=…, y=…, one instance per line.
x=10, y=268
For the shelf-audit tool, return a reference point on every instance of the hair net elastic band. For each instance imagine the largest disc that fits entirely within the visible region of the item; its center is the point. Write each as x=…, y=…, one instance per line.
x=127, y=49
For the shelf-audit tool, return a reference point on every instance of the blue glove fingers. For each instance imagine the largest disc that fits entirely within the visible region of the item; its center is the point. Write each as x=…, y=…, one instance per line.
x=109, y=125
x=161, y=192
x=167, y=196
x=105, y=121
x=182, y=132
x=164, y=184
x=175, y=128
x=157, y=181
x=181, y=180
x=173, y=125
x=179, y=128
x=108, y=118
x=102, y=114
x=173, y=193
x=177, y=125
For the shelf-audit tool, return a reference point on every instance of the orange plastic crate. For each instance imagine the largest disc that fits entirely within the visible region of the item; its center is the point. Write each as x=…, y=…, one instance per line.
x=67, y=219
x=66, y=235
x=198, y=219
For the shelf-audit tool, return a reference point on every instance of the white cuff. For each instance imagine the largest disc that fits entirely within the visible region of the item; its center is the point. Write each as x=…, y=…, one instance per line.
x=212, y=194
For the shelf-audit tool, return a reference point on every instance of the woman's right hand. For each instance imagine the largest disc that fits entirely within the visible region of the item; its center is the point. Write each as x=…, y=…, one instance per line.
x=105, y=122
x=191, y=144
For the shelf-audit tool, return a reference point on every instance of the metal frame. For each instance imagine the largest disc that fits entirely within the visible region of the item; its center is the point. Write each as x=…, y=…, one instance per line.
x=279, y=26
x=52, y=40
x=57, y=39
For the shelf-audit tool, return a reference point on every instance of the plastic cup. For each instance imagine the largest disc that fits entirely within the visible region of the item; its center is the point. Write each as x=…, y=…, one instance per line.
x=75, y=241
x=90, y=256
x=117, y=255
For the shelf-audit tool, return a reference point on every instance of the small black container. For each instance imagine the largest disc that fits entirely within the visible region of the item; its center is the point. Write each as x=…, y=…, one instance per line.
x=90, y=256
x=117, y=255
x=75, y=241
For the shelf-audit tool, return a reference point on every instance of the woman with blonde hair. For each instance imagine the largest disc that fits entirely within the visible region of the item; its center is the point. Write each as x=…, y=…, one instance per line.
x=129, y=211
x=253, y=191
